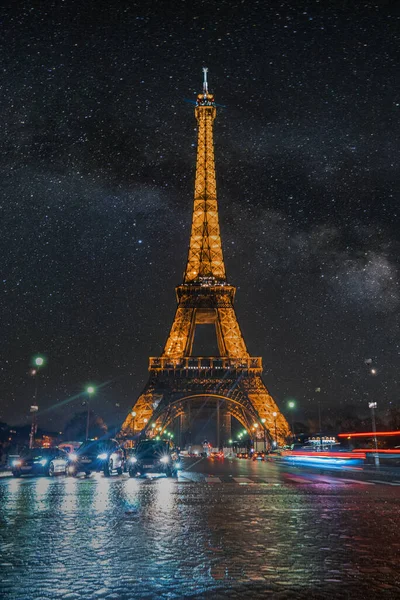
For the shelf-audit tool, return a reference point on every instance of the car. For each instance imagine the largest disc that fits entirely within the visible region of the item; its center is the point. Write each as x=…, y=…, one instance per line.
x=154, y=456
x=258, y=456
x=70, y=446
x=217, y=455
x=97, y=455
x=40, y=461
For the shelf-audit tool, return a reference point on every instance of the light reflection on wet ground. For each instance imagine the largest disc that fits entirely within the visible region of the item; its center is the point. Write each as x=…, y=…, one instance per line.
x=161, y=538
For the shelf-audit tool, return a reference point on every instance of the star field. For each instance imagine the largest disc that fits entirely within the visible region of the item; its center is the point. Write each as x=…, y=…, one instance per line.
x=97, y=172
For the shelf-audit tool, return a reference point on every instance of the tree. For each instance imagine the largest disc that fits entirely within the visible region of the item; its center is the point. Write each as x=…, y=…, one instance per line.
x=75, y=429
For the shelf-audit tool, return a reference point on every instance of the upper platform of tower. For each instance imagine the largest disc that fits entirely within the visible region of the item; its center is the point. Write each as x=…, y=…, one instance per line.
x=205, y=265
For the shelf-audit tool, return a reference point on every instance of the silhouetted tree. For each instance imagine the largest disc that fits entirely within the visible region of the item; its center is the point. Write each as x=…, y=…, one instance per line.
x=75, y=429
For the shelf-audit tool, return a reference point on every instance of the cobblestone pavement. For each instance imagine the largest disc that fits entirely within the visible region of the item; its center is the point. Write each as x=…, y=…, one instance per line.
x=219, y=531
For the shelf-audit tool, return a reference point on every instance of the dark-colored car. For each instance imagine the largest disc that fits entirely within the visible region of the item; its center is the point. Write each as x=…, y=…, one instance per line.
x=242, y=455
x=40, y=461
x=97, y=455
x=258, y=456
x=154, y=456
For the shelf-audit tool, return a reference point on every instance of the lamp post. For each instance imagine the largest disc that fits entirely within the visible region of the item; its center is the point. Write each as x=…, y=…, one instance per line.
x=89, y=390
x=265, y=440
x=275, y=414
x=373, y=406
x=38, y=362
x=255, y=425
x=317, y=391
x=292, y=405
x=133, y=413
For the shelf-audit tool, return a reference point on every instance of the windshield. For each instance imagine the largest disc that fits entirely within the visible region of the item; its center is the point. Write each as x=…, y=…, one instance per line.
x=152, y=447
x=38, y=452
x=96, y=446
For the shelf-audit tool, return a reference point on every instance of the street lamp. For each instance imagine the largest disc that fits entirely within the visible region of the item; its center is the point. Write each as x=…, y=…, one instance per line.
x=317, y=391
x=373, y=406
x=292, y=405
x=263, y=421
x=133, y=413
x=275, y=414
x=89, y=390
x=38, y=361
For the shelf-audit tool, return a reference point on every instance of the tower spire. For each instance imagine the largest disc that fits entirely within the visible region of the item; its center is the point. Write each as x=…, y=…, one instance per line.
x=205, y=259
x=205, y=82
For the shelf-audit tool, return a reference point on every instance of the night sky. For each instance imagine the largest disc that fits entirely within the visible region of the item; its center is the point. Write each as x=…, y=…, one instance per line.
x=97, y=172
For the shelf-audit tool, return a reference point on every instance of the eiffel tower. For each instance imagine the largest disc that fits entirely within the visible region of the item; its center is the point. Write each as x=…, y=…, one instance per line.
x=231, y=381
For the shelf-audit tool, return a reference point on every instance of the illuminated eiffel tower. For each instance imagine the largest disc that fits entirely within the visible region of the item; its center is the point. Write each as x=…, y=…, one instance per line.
x=230, y=381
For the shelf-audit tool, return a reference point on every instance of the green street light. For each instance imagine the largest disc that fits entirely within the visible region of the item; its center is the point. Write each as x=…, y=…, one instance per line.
x=89, y=390
x=291, y=404
x=38, y=362
x=231, y=441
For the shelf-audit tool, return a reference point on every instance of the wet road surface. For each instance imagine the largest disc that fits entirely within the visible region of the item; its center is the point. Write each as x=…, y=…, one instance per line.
x=223, y=529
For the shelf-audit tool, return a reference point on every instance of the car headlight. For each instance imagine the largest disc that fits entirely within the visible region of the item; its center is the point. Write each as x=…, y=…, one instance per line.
x=16, y=463
x=164, y=459
x=103, y=456
x=73, y=456
x=133, y=459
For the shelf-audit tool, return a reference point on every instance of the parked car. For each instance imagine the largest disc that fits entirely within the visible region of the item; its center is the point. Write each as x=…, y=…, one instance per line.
x=154, y=456
x=97, y=455
x=40, y=461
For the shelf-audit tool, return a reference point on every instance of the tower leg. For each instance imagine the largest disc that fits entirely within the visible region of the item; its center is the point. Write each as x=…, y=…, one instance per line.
x=185, y=428
x=225, y=426
x=218, y=425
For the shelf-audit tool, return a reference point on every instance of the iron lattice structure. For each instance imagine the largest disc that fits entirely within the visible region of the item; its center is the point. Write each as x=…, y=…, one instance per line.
x=233, y=378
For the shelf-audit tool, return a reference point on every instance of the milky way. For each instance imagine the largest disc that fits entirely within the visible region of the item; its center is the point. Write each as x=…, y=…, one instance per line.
x=97, y=173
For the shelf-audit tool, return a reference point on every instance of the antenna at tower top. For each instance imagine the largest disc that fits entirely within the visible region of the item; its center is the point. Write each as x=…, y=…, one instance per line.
x=205, y=82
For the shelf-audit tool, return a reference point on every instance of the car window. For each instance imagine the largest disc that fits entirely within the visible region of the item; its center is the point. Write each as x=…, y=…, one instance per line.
x=151, y=446
x=98, y=447
x=38, y=452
